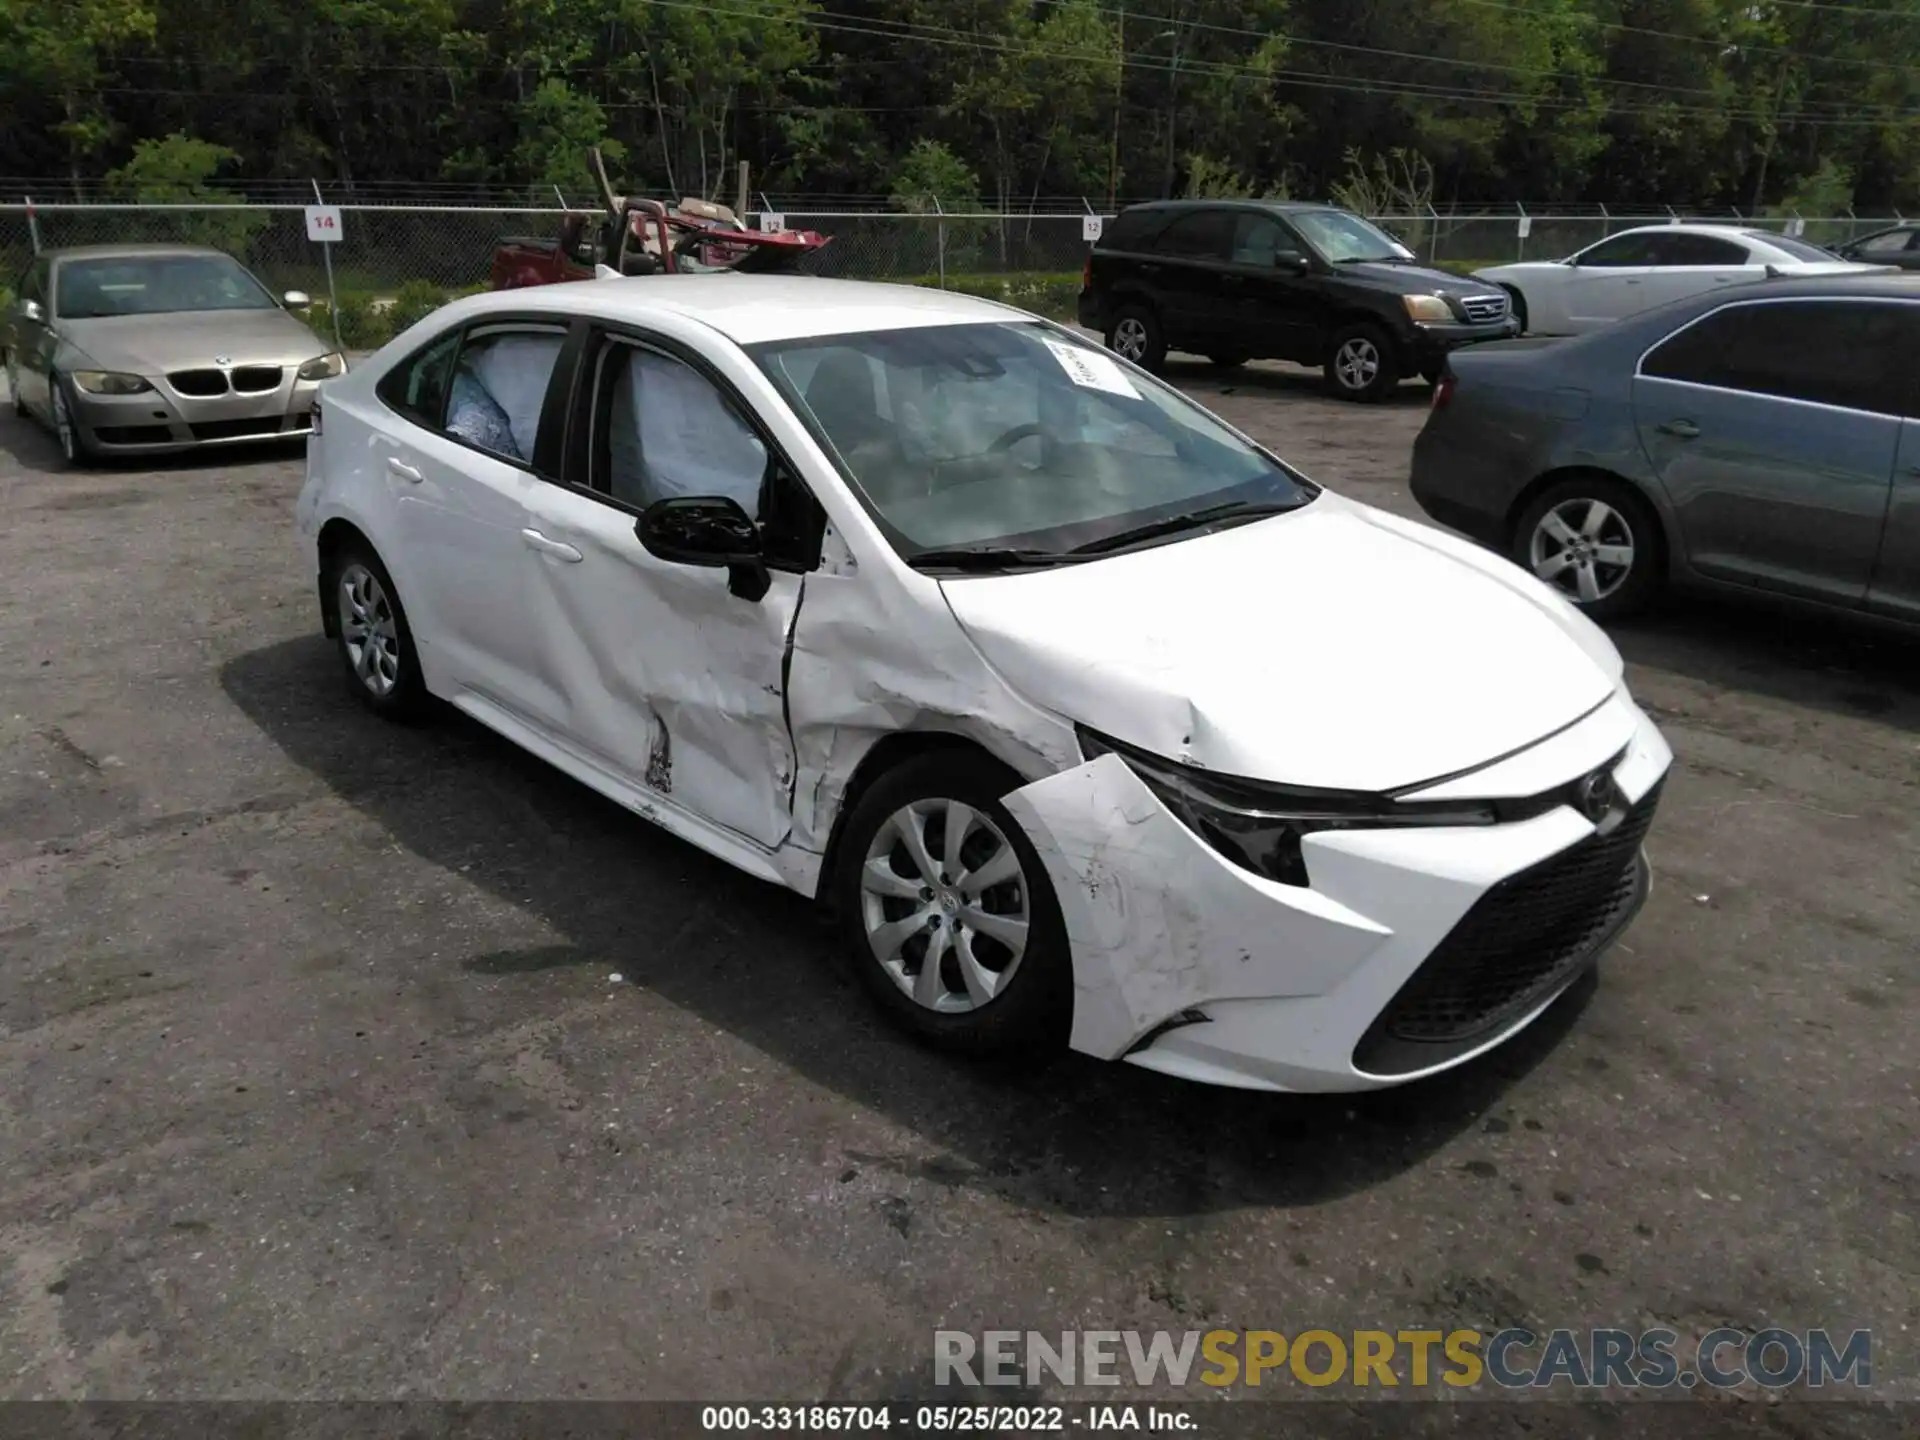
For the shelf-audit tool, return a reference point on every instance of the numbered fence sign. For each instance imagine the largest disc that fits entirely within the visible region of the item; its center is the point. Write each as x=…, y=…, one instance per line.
x=773, y=224
x=1526, y=226
x=1091, y=227
x=323, y=224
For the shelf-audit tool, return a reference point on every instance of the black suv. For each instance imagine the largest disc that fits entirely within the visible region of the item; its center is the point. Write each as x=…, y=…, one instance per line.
x=1242, y=280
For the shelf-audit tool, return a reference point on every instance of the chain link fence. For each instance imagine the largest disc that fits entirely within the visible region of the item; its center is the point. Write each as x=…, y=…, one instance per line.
x=450, y=248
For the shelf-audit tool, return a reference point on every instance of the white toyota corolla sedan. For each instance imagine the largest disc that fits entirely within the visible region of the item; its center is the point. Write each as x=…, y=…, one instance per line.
x=1090, y=718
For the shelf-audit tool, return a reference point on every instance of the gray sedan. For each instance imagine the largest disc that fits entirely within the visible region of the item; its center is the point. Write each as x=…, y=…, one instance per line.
x=145, y=348
x=1763, y=441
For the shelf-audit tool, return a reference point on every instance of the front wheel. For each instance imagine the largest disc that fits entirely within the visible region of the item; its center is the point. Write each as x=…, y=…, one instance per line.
x=1360, y=364
x=73, y=449
x=947, y=912
x=1595, y=540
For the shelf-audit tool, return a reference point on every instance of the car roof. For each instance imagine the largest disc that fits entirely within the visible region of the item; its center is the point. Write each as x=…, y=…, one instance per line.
x=1877, y=285
x=129, y=252
x=751, y=309
x=1699, y=227
x=1280, y=207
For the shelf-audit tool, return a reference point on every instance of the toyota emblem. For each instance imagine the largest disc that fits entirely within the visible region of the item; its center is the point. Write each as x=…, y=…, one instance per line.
x=223, y=360
x=1595, y=796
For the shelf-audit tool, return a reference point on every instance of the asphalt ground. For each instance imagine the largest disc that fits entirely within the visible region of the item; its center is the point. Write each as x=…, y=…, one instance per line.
x=315, y=1081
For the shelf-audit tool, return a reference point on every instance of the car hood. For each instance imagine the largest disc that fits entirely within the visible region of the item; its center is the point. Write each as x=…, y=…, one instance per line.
x=154, y=344
x=1335, y=647
x=1412, y=279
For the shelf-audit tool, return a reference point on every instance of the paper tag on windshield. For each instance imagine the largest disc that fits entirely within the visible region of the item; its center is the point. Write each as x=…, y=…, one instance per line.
x=1091, y=369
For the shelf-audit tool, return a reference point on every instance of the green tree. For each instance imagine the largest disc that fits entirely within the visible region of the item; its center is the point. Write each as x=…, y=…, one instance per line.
x=179, y=170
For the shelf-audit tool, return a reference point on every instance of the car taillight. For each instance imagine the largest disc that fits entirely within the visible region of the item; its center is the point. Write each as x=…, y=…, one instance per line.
x=1443, y=392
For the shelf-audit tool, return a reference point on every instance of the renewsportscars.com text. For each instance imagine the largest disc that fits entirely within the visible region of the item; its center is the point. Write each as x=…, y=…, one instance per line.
x=1509, y=1359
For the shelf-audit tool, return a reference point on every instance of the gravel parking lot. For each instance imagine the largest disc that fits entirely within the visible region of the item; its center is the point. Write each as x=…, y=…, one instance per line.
x=314, y=1081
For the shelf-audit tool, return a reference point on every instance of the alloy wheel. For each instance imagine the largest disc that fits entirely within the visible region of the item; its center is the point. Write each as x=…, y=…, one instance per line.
x=1584, y=548
x=369, y=630
x=1357, y=363
x=1130, y=338
x=945, y=904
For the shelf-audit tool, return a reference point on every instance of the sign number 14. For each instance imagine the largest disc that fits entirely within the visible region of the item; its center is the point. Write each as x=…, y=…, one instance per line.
x=323, y=224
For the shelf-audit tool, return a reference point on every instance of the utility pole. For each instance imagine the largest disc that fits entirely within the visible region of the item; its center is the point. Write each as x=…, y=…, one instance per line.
x=1119, y=83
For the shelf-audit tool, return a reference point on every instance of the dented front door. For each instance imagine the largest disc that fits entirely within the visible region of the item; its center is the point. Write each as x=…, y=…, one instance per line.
x=668, y=679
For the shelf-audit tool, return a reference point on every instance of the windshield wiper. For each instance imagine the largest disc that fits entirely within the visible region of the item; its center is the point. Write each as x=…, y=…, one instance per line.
x=984, y=557
x=1191, y=520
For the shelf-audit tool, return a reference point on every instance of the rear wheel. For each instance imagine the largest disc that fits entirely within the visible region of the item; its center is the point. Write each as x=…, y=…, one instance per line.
x=376, y=645
x=1595, y=540
x=946, y=911
x=1136, y=335
x=1360, y=364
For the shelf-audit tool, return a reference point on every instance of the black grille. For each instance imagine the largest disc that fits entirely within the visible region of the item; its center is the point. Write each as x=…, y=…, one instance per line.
x=236, y=429
x=255, y=378
x=200, y=383
x=1484, y=309
x=1522, y=939
x=133, y=434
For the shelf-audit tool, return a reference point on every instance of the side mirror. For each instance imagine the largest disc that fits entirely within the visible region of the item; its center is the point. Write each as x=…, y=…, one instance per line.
x=296, y=300
x=710, y=531
x=1291, y=261
x=30, y=309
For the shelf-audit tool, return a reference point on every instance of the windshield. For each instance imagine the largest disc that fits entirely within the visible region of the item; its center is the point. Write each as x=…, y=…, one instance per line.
x=1017, y=436
x=156, y=285
x=1340, y=236
x=1798, y=249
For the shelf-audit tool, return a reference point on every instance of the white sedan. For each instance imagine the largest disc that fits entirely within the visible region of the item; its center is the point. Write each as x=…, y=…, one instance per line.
x=1639, y=269
x=1091, y=719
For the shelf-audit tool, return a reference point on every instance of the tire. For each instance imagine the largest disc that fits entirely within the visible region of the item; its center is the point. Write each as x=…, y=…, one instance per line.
x=385, y=676
x=1518, y=302
x=73, y=449
x=1136, y=335
x=878, y=888
x=1228, y=362
x=1625, y=522
x=1360, y=364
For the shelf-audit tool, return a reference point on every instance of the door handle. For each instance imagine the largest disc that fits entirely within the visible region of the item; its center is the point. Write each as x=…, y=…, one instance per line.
x=397, y=466
x=536, y=541
x=1680, y=429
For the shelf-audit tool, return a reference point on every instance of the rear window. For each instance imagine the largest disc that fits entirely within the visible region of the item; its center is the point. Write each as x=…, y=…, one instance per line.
x=1798, y=249
x=1133, y=229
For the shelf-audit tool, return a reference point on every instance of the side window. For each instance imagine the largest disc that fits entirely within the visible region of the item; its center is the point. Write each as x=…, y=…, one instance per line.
x=1620, y=251
x=499, y=386
x=1202, y=235
x=661, y=429
x=417, y=386
x=1845, y=353
x=1258, y=238
x=1892, y=243
x=1685, y=249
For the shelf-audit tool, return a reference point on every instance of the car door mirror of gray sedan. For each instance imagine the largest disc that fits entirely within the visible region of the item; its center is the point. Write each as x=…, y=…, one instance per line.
x=711, y=531
x=30, y=310
x=296, y=300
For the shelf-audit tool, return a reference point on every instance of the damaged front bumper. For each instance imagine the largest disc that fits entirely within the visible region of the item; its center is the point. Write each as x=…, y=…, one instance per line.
x=1387, y=968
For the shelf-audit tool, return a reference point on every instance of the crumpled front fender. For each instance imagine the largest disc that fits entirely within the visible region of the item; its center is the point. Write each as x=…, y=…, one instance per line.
x=1159, y=923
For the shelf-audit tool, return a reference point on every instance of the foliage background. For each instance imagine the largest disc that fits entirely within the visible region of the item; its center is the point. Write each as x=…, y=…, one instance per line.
x=1704, y=102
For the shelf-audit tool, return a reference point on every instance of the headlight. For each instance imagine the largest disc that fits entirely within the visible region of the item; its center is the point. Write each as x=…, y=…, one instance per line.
x=1259, y=826
x=1427, y=307
x=109, y=382
x=324, y=367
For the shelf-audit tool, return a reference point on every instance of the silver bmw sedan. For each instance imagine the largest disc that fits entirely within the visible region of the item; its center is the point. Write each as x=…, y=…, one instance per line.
x=151, y=348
